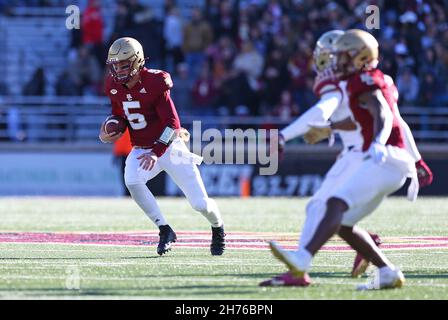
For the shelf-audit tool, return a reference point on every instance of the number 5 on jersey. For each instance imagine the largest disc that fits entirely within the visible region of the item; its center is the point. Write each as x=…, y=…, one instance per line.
x=136, y=120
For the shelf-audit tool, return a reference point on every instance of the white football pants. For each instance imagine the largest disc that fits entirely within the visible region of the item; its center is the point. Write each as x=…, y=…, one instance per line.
x=362, y=184
x=178, y=162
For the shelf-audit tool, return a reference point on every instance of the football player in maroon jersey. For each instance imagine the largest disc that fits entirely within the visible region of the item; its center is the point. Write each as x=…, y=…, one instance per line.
x=142, y=96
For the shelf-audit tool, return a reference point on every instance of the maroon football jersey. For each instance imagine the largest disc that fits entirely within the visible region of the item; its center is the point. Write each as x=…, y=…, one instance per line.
x=147, y=107
x=369, y=81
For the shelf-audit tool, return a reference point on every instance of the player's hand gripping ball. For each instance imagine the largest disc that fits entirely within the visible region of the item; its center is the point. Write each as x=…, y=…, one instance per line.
x=115, y=124
x=112, y=129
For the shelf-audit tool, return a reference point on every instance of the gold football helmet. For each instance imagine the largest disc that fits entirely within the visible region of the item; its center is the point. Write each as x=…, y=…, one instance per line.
x=361, y=48
x=323, y=49
x=125, y=59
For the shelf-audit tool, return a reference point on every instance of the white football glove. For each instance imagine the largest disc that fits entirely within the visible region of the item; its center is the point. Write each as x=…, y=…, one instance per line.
x=377, y=152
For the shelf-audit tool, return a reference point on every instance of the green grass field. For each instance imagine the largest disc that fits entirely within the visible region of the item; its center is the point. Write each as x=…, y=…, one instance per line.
x=97, y=271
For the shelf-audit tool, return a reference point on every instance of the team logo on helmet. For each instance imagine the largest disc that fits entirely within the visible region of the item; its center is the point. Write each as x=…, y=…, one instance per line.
x=125, y=59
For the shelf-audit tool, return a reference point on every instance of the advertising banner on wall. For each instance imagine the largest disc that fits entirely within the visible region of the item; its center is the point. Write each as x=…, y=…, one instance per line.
x=60, y=174
x=95, y=174
x=297, y=176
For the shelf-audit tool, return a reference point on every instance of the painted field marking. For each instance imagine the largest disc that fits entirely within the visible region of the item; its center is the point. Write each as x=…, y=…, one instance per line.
x=201, y=239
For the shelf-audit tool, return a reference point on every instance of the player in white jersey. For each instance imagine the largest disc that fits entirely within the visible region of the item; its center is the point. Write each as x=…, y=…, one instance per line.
x=331, y=113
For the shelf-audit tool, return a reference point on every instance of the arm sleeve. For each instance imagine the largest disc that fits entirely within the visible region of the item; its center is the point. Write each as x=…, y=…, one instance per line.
x=168, y=116
x=320, y=112
x=383, y=135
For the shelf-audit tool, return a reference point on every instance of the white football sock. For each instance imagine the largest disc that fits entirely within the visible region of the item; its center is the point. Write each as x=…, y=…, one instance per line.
x=145, y=199
x=209, y=209
x=315, y=211
x=303, y=259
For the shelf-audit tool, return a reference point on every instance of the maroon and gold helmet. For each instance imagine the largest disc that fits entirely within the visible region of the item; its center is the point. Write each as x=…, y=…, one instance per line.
x=125, y=59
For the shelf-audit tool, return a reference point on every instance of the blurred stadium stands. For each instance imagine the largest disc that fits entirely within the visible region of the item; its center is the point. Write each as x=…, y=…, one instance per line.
x=42, y=101
x=234, y=63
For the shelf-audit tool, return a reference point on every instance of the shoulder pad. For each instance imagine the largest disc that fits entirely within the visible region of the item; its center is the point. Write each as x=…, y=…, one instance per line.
x=325, y=87
x=365, y=81
x=159, y=80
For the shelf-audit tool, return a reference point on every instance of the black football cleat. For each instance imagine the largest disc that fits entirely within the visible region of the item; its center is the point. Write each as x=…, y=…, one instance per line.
x=167, y=237
x=218, y=241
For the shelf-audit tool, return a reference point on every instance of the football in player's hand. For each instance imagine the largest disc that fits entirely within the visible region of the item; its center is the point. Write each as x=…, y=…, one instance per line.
x=115, y=124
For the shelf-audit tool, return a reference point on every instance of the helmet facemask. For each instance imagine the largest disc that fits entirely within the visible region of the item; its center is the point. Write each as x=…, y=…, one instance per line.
x=322, y=59
x=123, y=71
x=343, y=64
x=323, y=52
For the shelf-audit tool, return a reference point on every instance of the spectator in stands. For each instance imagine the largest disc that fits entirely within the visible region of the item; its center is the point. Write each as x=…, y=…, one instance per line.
x=408, y=87
x=65, y=85
x=121, y=22
x=412, y=36
x=85, y=72
x=275, y=77
x=173, y=36
x=221, y=54
x=250, y=62
x=125, y=19
x=259, y=41
x=286, y=109
x=204, y=92
x=441, y=65
x=92, y=28
x=403, y=57
x=198, y=36
x=148, y=30
x=134, y=7
x=388, y=63
x=227, y=20
x=212, y=14
x=429, y=90
x=182, y=94
x=299, y=71
x=243, y=103
x=92, y=24
x=308, y=96
x=36, y=85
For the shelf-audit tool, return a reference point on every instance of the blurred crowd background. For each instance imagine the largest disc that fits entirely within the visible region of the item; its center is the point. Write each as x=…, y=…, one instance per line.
x=234, y=63
x=253, y=57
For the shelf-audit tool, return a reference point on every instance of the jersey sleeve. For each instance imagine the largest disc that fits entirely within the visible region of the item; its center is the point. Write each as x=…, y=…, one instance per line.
x=320, y=112
x=365, y=82
x=168, y=116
